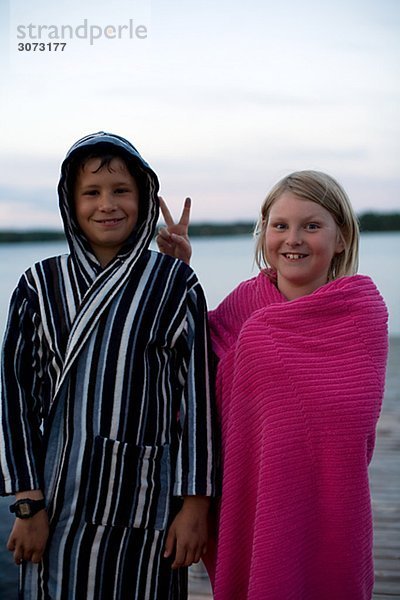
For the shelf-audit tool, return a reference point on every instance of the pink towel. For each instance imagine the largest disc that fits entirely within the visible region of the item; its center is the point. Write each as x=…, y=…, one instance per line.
x=299, y=387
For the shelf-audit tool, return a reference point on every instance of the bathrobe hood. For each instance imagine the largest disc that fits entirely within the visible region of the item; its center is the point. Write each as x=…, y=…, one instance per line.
x=96, y=287
x=102, y=143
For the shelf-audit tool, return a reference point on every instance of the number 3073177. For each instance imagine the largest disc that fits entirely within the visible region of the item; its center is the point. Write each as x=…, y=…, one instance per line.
x=42, y=46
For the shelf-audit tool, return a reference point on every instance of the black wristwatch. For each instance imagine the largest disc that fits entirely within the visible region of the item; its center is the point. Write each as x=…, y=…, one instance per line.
x=27, y=508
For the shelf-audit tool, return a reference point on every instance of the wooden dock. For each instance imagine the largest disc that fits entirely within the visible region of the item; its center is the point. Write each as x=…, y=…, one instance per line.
x=385, y=487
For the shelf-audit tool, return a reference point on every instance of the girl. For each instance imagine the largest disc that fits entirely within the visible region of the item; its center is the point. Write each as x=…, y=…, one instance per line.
x=302, y=353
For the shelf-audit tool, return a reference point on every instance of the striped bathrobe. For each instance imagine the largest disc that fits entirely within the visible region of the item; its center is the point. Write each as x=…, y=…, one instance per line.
x=106, y=406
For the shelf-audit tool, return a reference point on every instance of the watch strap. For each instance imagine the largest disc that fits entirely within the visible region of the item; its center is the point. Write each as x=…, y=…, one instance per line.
x=25, y=508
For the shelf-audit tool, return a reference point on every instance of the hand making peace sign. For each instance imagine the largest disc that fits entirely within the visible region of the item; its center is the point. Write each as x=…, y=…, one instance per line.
x=174, y=238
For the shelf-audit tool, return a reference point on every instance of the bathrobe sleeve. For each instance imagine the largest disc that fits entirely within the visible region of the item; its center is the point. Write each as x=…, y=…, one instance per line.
x=197, y=452
x=21, y=406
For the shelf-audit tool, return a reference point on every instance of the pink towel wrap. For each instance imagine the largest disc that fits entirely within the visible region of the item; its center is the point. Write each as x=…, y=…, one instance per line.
x=299, y=387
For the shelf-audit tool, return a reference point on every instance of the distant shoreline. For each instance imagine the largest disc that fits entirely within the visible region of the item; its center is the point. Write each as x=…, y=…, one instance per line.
x=369, y=222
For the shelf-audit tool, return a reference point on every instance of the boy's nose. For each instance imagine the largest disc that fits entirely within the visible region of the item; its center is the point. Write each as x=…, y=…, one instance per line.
x=107, y=202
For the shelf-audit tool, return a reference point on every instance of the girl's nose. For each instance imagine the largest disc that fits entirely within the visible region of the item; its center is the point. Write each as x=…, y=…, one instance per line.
x=293, y=237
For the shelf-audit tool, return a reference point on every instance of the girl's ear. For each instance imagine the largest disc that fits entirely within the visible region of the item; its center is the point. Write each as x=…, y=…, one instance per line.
x=340, y=245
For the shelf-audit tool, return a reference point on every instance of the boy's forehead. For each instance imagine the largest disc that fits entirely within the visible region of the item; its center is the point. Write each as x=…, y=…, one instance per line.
x=94, y=163
x=95, y=170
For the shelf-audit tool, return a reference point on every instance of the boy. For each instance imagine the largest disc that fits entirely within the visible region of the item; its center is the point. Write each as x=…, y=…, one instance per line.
x=107, y=421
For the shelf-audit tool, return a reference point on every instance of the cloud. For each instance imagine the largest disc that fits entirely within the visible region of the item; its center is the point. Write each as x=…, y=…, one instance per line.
x=28, y=208
x=25, y=215
x=221, y=112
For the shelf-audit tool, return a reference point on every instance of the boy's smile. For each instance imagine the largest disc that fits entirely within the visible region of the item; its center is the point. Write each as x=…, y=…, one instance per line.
x=106, y=206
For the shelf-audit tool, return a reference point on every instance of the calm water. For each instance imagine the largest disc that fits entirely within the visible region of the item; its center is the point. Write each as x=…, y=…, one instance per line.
x=221, y=263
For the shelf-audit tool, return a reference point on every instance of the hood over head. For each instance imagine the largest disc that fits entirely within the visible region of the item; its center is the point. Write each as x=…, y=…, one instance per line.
x=96, y=145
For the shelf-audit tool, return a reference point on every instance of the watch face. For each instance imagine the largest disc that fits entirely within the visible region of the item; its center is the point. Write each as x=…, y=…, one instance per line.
x=24, y=509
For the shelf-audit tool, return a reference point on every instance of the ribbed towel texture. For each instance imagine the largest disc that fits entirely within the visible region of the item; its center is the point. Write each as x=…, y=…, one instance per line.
x=299, y=387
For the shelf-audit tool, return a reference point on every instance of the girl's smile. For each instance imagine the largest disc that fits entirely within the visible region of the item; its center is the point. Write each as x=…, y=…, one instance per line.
x=294, y=256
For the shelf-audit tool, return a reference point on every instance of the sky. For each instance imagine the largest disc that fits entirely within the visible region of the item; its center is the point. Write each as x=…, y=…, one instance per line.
x=221, y=98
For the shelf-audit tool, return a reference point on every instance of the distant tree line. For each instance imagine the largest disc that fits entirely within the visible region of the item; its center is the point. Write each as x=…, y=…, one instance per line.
x=369, y=221
x=31, y=236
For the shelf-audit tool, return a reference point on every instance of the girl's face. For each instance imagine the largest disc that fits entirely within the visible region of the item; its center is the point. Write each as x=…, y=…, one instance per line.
x=301, y=239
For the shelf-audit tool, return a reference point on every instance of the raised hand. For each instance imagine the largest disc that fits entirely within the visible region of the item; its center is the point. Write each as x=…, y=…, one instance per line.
x=173, y=239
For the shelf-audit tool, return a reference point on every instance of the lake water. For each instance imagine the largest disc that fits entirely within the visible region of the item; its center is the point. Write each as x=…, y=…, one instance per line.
x=221, y=263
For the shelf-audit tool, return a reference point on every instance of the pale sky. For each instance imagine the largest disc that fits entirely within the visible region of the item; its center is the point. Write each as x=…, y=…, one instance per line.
x=221, y=98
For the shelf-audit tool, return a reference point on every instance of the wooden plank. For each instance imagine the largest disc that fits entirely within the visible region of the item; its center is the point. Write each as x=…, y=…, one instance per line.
x=385, y=486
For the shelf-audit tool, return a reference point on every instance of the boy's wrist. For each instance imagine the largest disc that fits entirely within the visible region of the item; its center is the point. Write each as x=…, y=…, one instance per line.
x=197, y=501
x=31, y=494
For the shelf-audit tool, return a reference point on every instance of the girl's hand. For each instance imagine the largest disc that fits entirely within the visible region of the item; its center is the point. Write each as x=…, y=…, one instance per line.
x=174, y=238
x=28, y=538
x=188, y=533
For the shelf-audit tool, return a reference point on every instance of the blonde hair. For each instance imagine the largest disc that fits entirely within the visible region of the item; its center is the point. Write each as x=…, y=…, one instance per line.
x=322, y=189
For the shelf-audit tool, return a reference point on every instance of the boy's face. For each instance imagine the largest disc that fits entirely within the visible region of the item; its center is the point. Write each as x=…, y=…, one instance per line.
x=106, y=206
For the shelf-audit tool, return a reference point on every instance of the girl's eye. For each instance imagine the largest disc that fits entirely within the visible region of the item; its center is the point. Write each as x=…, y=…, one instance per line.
x=312, y=226
x=280, y=226
x=121, y=191
x=90, y=193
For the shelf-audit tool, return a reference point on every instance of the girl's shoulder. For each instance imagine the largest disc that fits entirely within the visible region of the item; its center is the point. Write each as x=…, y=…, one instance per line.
x=254, y=292
x=227, y=320
x=238, y=298
x=357, y=284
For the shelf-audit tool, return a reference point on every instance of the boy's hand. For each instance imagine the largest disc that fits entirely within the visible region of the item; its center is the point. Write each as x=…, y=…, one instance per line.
x=174, y=238
x=188, y=533
x=28, y=537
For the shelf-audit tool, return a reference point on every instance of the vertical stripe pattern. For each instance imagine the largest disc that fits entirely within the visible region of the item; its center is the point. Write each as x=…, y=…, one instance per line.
x=106, y=406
